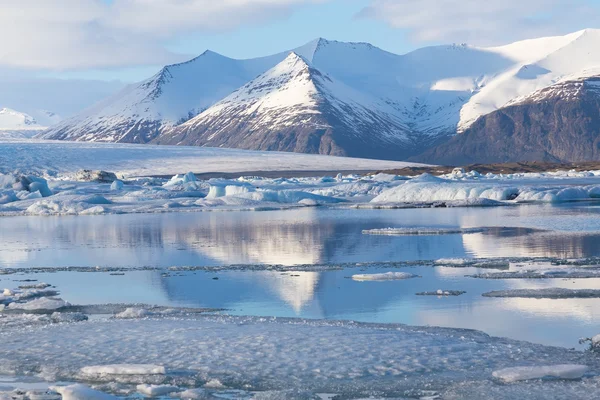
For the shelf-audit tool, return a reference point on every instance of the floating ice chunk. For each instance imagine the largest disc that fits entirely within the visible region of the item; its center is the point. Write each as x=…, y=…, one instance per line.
x=288, y=197
x=189, y=177
x=564, y=371
x=421, y=231
x=86, y=175
x=193, y=394
x=124, y=369
x=388, y=276
x=41, y=285
x=81, y=392
x=542, y=274
x=116, y=185
x=383, y=177
x=134, y=313
x=453, y=261
x=228, y=188
x=440, y=292
x=156, y=390
x=426, y=189
x=548, y=293
x=59, y=317
x=214, y=384
x=41, y=304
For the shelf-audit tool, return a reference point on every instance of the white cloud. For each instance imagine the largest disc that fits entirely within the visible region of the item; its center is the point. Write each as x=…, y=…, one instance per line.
x=71, y=34
x=483, y=22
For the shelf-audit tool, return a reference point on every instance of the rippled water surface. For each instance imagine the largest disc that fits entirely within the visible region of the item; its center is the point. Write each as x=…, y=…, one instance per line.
x=327, y=237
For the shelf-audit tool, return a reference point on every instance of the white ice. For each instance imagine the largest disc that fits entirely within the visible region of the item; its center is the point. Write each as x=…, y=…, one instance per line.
x=81, y=392
x=156, y=390
x=124, y=369
x=421, y=231
x=388, y=276
x=546, y=293
x=282, y=354
x=41, y=304
x=56, y=190
x=566, y=371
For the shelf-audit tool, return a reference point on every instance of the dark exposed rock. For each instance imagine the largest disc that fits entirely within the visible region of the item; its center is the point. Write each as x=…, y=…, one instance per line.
x=558, y=124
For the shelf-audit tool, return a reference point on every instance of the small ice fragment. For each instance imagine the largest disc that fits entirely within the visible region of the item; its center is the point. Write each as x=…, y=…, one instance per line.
x=81, y=392
x=388, y=276
x=116, y=185
x=156, y=390
x=192, y=394
x=564, y=371
x=124, y=369
x=214, y=384
x=133, y=313
x=41, y=304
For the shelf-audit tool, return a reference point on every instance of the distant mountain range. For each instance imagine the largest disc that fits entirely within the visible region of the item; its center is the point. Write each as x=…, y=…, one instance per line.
x=16, y=124
x=534, y=99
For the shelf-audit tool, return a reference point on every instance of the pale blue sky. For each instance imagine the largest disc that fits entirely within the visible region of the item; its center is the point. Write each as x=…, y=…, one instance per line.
x=129, y=40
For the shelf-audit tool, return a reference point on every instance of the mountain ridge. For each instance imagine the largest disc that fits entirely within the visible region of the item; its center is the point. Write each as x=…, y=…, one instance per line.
x=429, y=94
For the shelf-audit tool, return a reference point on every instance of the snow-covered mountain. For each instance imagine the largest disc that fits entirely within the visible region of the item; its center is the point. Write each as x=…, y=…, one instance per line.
x=346, y=98
x=312, y=113
x=16, y=124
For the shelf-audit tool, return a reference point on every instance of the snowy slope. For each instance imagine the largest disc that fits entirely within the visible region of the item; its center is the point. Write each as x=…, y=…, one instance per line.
x=430, y=93
x=17, y=124
x=295, y=107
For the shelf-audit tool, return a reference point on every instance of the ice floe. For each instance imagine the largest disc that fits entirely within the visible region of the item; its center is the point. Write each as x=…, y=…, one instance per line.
x=563, y=273
x=566, y=371
x=442, y=293
x=41, y=304
x=156, y=390
x=124, y=369
x=547, y=293
x=81, y=392
x=421, y=231
x=388, y=276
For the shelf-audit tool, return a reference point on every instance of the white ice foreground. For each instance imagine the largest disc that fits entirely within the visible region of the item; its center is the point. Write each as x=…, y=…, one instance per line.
x=45, y=178
x=258, y=354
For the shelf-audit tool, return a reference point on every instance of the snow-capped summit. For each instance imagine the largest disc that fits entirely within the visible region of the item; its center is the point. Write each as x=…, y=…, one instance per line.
x=416, y=100
x=296, y=107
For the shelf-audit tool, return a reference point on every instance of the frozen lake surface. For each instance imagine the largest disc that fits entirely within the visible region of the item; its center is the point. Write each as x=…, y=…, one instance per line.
x=304, y=302
x=315, y=252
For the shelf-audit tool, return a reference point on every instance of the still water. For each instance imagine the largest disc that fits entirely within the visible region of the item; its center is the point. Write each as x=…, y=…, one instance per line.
x=326, y=237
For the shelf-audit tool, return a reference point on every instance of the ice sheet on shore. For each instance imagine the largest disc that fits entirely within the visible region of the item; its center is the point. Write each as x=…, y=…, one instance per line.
x=66, y=196
x=259, y=354
x=546, y=293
